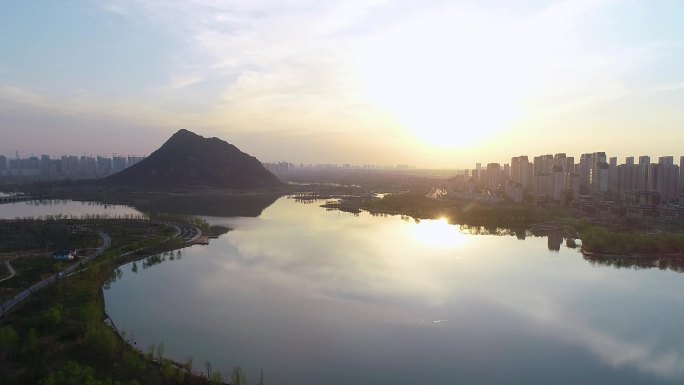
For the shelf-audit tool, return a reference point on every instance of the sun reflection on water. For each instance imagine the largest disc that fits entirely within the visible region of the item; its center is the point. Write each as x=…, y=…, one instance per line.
x=438, y=233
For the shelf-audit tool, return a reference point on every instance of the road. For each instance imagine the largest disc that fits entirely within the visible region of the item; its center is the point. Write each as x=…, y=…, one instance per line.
x=189, y=233
x=7, y=306
x=11, y=270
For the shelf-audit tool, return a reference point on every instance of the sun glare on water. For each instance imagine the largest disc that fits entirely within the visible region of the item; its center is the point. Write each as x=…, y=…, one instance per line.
x=450, y=85
x=439, y=234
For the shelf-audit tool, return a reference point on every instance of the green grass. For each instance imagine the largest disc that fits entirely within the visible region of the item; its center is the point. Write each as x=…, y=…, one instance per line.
x=58, y=336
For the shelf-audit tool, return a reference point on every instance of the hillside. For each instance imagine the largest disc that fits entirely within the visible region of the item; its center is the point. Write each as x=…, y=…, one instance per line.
x=190, y=160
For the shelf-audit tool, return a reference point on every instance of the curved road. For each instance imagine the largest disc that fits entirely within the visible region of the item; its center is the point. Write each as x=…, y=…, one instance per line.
x=5, y=307
x=11, y=271
x=188, y=233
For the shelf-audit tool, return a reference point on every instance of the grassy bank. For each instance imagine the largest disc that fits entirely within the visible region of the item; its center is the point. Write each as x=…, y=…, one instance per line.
x=59, y=337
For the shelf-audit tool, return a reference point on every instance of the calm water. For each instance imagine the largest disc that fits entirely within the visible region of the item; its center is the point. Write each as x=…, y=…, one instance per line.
x=318, y=297
x=44, y=208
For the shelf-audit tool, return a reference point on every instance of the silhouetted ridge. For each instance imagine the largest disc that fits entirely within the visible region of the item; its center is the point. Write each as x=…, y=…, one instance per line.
x=188, y=159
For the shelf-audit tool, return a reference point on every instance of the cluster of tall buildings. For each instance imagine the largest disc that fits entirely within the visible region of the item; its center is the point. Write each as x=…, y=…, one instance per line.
x=559, y=178
x=285, y=167
x=66, y=166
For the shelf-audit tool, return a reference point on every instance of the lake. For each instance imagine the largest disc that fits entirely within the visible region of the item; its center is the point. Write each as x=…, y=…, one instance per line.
x=323, y=297
x=74, y=209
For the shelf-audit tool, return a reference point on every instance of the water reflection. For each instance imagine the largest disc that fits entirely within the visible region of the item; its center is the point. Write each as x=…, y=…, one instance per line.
x=638, y=263
x=145, y=263
x=312, y=296
x=438, y=233
x=65, y=209
x=223, y=205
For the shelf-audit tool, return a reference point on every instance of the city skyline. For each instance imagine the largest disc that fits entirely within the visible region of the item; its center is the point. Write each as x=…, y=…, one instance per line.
x=678, y=158
x=436, y=84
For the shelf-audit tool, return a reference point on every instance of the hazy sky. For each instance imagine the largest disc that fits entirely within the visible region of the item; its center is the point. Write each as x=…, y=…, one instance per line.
x=430, y=83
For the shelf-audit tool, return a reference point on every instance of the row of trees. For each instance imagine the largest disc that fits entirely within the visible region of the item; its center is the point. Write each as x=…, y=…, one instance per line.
x=602, y=240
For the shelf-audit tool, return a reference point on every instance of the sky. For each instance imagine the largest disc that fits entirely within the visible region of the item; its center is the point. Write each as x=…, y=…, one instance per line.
x=436, y=84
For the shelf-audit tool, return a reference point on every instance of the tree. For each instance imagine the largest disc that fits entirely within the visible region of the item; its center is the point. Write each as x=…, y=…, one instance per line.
x=188, y=364
x=238, y=376
x=73, y=373
x=29, y=344
x=101, y=342
x=9, y=341
x=160, y=352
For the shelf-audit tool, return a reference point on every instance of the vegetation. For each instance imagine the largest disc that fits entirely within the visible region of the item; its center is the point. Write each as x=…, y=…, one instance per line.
x=595, y=238
x=602, y=240
x=417, y=205
x=59, y=337
x=44, y=235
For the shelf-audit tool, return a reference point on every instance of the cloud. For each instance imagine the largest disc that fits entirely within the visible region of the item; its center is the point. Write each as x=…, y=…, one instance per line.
x=180, y=82
x=116, y=9
x=307, y=66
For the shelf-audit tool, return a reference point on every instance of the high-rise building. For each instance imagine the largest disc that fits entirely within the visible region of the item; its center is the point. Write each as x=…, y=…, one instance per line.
x=663, y=177
x=559, y=160
x=572, y=184
x=557, y=182
x=521, y=171
x=3, y=165
x=45, y=163
x=641, y=178
x=134, y=159
x=598, y=173
x=118, y=163
x=681, y=175
x=584, y=171
x=515, y=169
x=569, y=164
x=104, y=166
x=88, y=166
x=493, y=173
x=542, y=175
x=613, y=176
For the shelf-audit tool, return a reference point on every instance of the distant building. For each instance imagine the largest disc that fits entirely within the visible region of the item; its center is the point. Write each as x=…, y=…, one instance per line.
x=557, y=182
x=118, y=164
x=569, y=164
x=613, y=176
x=514, y=191
x=493, y=174
x=663, y=177
x=598, y=177
x=641, y=178
x=681, y=174
x=88, y=166
x=64, y=255
x=521, y=171
x=283, y=167
x=584, y=171
x=134, y=159
x=104, y=166
x=3, y=165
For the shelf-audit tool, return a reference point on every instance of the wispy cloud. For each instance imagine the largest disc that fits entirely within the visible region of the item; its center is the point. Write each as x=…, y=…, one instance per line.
x=180, y=82
x=115, y=8
x=669, y=87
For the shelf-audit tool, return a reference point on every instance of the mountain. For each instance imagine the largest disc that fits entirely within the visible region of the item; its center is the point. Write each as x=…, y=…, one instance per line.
x=190, y=160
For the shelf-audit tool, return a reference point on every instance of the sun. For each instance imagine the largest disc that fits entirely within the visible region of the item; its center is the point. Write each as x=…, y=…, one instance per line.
x=447, y=84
